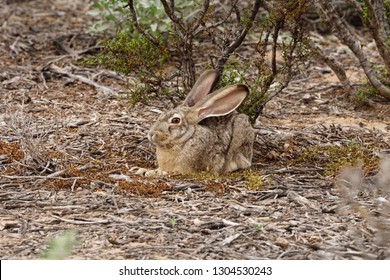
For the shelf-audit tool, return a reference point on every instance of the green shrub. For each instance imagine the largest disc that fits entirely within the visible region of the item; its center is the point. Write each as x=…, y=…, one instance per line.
x=133, y=54
x=180, y=34
x=114, y=15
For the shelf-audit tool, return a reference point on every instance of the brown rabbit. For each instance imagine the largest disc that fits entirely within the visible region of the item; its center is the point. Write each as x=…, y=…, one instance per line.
x=205, y=133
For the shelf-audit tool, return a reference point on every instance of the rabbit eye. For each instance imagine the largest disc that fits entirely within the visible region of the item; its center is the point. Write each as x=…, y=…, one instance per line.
x=175, y=120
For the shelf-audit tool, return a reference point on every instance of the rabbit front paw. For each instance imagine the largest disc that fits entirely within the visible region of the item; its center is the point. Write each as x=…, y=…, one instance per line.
x=149, y=172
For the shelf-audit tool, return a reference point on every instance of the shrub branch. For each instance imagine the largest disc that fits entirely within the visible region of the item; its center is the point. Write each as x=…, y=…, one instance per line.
x=137, y=26
x=350, y=39
x=226, y=52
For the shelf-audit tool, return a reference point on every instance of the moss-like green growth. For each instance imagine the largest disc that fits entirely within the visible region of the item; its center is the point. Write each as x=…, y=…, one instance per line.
x=254, y=181
x=250, y=179
x=334, y=158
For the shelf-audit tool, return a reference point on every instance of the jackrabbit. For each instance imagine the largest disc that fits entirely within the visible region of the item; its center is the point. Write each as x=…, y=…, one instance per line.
x=204, y=133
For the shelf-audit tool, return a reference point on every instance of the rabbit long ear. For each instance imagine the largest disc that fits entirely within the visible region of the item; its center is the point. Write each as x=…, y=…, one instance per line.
x=202, y=87
x=221, y=102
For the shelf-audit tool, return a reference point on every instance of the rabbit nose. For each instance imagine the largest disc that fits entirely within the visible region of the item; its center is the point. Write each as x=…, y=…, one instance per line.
x=150, y=136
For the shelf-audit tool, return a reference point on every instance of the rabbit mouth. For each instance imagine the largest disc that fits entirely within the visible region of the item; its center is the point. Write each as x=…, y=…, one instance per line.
x=165, y=140
x=158, y=139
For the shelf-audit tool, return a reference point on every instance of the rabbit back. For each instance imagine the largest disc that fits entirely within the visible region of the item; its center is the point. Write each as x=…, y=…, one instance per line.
x=236, y=135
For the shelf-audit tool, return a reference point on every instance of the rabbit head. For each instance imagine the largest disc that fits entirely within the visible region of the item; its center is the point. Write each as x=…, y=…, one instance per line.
x=173, y=126
x=184, y=135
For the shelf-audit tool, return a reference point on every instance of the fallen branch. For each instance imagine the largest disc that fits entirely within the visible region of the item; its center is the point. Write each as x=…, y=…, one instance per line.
x=334, y=65
x=54, y=68
x=100, y=221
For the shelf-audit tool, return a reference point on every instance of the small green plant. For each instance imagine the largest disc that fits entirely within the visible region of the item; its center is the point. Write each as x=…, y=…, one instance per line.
x=60, y=247
x=232, y=74
x=172, y=221
x=365, y=92
x=259, y=228
x=365, y=16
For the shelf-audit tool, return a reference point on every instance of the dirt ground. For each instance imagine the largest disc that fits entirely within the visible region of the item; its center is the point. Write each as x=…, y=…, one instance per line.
x=67, y=147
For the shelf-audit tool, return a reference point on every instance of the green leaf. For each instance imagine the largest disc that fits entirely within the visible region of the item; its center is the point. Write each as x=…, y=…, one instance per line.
x=95, y=12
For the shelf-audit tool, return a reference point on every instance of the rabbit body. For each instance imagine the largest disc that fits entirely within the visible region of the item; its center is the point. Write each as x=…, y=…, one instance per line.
x=216, y=144
x=205, y=133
